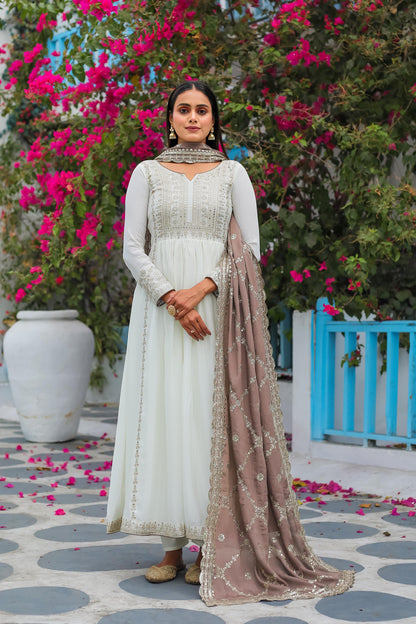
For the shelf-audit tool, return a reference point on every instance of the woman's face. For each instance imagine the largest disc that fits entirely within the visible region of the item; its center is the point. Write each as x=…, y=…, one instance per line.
x=192, y=117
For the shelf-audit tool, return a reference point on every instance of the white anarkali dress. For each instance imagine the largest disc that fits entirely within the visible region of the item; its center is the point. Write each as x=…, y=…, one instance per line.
x=161, y=466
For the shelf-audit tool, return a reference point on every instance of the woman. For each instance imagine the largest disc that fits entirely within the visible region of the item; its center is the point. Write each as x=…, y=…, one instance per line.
x=200, y=452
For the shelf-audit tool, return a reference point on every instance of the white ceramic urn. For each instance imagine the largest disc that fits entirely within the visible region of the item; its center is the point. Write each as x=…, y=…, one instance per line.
x=49, y=359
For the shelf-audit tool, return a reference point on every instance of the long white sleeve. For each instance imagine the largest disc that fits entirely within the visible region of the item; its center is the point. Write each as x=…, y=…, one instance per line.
x=244, y=206
x=140, y=265
x=245, y=209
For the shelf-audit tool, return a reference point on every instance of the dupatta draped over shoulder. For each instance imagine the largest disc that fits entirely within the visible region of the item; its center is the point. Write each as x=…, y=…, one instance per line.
x=255, y=546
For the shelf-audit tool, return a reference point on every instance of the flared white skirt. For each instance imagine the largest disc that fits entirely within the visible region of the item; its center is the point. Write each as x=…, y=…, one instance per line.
x=161, y=465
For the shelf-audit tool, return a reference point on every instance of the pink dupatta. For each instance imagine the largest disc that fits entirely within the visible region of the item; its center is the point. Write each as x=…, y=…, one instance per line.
x=255, y=547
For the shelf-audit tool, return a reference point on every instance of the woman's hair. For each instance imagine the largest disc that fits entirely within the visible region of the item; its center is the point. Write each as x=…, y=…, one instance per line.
x=199, y=86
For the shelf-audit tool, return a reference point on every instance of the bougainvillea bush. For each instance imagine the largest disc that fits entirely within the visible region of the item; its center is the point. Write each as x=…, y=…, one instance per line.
x=320, y=94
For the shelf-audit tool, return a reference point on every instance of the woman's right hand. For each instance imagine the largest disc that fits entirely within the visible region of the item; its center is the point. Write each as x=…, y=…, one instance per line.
x=194, y=325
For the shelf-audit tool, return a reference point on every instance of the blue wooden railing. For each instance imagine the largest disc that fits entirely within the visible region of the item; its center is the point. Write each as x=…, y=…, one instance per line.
x=324, y=371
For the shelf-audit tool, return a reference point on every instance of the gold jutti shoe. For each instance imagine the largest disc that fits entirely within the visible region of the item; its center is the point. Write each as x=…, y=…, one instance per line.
x=192, y=575
x=162, y=574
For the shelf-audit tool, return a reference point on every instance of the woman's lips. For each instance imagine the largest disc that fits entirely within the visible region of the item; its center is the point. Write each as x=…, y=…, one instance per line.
x=192, y=128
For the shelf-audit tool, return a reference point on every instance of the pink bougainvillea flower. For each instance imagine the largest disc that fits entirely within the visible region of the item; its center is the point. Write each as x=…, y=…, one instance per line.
x=110, y=244
x=353, y=286
x=19, y=447
x=21, y=495
x=44, y=245
x=59, y=512
x=329, y=309
x=306, y=273
x=342, y=259
x=50, y=497
x=394, y=512
x=43, y=23
x=323, y=266
x=328, y=283
x=19, y=295
x=103, y=493
x=9, y=485
x=71, y=481
x=297, y=277
x=30, y=55
x=59, y=280
x=54, y=485
x=360, y=512
x=119, y=226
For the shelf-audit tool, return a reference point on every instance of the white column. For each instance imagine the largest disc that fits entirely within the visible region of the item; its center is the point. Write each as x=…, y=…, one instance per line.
x=302, y=366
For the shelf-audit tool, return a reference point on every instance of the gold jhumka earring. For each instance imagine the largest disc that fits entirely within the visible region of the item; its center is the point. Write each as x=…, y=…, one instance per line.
x=172, y=134
x=211, y=136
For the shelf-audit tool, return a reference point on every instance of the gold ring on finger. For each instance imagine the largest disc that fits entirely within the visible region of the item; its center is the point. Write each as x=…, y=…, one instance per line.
x=171, y=310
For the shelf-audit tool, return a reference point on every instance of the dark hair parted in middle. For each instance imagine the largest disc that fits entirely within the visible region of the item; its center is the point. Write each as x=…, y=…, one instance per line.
x=199, y=86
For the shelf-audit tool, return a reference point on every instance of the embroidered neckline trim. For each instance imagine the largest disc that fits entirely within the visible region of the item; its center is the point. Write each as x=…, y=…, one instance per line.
x=190, y=153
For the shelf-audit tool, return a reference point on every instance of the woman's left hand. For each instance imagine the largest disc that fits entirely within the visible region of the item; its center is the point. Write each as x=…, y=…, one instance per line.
x=187, y=299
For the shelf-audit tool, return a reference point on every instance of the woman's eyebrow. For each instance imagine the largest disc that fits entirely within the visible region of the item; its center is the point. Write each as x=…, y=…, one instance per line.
x=198, y=105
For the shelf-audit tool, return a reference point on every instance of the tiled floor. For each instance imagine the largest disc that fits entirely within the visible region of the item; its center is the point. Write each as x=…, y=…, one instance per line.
x=58, y=565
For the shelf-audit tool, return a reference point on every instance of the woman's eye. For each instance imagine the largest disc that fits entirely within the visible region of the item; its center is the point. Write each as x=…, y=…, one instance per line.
x=202, y=111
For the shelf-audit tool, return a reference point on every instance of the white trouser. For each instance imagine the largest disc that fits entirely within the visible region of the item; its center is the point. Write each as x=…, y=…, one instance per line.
x=176, y=543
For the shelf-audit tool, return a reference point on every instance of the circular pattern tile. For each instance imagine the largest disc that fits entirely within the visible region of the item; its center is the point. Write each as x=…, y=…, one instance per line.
x=12, y=461
x=70, y=499
x=174, y=590
x=338, y=530
x=350, y=506
x=15, y=520
x=18, y=439
x=404, y=573
x=82, y=483
x=390, y=550
x=11, y=450
x=7, y=546
x=78, y=533
x=75, y=443
x=42, y=600
x=306, y=514
x=91, y=511
x=5, y=570
x=6, y=506
x=26, y=473
x=161, y=616
x=104, y=464
x=104, y=558
x=276, y=620
x=343, y=564
x=367, y=606
x=26, y=488
x=407, y=522
x=60, y=457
